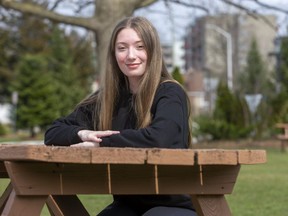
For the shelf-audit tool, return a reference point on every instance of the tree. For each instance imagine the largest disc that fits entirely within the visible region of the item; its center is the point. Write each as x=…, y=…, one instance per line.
x=229, y=120
x=17, y=38
x=284, y=63
x=107, y=13
x=7, y=54
x=255, y=80
x=37, y=95
x=85, y=65
x=254, y=76
x=279, y=102
x=229, y=107
x=177, y=75
x=33, y=35
x=72, y=71
x=6, y=73
x=67, y=80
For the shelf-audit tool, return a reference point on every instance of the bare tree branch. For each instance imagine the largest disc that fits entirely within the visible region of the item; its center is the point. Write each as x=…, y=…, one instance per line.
x=241, y=7
x=271, y=7
x=145, y=3
x=55, y=5
x=251, y=13
x=37, y=10
x=84, y=5
x=189, y=5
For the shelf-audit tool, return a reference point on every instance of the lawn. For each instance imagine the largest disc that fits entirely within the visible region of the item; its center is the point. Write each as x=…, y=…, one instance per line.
x=260, y=190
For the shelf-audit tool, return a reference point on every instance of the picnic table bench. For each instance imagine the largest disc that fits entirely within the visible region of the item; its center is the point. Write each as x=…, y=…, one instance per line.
x=283, y=137
x=42, y=174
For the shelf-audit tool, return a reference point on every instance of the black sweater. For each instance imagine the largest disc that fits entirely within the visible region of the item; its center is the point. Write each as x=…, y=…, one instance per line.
x=168, y=129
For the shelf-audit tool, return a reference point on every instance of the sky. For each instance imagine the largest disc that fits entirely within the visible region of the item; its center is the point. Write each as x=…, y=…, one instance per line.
x=184, y=16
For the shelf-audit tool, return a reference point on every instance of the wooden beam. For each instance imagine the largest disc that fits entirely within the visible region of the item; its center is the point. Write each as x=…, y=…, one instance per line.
x=19, y=205
x=211, y=205
x=65, y=205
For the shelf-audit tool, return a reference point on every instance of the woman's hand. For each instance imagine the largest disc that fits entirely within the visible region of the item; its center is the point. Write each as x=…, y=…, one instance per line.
x=94, y=136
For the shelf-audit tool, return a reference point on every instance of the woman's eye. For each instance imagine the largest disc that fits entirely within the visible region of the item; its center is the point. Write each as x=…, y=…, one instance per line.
x=121, y=48
x=140, y=47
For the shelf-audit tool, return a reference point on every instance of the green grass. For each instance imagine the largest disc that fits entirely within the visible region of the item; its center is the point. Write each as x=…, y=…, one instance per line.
x=93, y=203
x=260, y=190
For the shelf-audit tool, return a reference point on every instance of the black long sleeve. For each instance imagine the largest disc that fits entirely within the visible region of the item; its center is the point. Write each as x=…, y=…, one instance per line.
x=169, y=126
x=63, y=131
x=168, y=129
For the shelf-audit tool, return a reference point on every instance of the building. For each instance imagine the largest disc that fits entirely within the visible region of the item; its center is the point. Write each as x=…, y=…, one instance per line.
x=194, y=85
x=173, y=54
x=217, y=47
x=167, y=50
x=206, y=45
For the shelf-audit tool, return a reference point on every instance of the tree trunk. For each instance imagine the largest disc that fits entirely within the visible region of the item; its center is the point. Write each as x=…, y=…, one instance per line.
x=107, y=14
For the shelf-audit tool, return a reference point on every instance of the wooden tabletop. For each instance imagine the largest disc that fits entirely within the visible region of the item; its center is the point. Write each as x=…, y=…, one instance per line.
x=107, y=155
x=40, y=173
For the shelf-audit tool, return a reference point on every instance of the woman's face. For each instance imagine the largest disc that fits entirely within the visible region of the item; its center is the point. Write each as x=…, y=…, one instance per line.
x=131, y=56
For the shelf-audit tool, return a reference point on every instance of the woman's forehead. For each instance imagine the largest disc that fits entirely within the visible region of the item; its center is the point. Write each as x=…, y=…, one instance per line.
x=128, y=35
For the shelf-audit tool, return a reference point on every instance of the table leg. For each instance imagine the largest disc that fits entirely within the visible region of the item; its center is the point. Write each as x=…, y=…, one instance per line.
x=5, y=196
x=208, y=205
x=24, y=205
x=60, y=205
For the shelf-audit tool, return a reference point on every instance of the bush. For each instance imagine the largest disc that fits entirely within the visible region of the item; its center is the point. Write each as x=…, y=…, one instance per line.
x=219, y=129
x=3, y=130
x=228, y=120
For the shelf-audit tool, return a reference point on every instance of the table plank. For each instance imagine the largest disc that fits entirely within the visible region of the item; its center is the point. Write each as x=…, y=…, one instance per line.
x=106, y=155
x=219, y=156
x=252, y=157
x=171, y=156
x=45, y=153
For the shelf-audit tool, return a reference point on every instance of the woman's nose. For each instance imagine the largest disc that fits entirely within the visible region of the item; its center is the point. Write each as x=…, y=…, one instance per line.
x=131, y=53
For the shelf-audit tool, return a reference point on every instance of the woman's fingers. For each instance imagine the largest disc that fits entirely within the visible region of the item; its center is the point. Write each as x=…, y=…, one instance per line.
x=95, y=136
x=86, y=144
x=106, y=133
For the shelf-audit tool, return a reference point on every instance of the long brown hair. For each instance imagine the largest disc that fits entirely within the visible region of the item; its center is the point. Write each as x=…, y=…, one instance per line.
x=114, y=79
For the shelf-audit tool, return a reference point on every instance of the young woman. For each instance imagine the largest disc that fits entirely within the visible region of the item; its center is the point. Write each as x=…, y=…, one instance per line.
x=137, y=105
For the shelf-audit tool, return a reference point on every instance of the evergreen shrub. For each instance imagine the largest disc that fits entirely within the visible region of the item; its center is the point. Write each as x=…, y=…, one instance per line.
x=3, y=130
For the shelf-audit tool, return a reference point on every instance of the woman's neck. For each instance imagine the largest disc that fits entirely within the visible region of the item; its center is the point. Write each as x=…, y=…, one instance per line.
x=134, y=85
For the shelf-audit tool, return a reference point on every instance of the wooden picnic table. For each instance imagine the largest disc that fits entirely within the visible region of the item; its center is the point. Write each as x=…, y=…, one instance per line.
x=42, y=174
x=283, y=137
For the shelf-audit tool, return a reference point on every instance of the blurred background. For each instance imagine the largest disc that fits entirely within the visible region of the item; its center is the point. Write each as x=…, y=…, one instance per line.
x=231, y=56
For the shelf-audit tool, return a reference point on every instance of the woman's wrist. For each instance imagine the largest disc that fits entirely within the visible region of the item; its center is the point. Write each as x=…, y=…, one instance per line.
x=82, y=134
